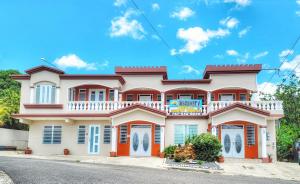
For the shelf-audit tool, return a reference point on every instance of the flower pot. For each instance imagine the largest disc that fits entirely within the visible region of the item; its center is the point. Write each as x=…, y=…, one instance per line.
x=28, y=151
x=220, y=159
x=66, y=152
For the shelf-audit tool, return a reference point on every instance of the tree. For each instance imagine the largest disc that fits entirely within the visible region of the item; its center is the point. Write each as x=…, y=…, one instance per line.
x=9, y=100
x=289, y=130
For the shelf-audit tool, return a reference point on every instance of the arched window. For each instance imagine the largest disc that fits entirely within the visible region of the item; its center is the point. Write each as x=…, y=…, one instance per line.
x=45, y=93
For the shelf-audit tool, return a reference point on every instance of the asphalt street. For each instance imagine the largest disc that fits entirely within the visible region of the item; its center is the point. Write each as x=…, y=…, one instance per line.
x=33, y=171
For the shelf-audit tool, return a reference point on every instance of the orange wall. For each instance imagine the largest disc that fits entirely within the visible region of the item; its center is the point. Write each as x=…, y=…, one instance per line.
x=124, y=149
x=250, y=151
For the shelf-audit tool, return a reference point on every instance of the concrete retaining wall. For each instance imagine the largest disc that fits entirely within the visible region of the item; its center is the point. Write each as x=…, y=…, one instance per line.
x=10, y=137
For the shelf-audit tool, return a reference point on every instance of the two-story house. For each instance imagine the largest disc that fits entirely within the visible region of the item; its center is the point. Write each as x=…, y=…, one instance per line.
x=138, y=111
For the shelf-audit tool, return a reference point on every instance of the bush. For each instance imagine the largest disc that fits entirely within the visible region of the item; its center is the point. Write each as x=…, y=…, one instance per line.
x=179, y=158
x=287, y=134
x=169, y=150
x=186, y=152
x=207, y=147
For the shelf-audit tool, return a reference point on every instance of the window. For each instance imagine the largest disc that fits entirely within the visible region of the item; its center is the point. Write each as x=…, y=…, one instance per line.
x=123, y=134
x=45, y=93
x=145, y=98
x=129, y=97
x=227, y=97
x=111, y=95
x=81, y=134
x=52, y=134
x=169, y=98
x=184, y=131
x=185, y=97
x=200, y=97
x=243, y=97
x=158, y=97
x=157, y=134
x=71, y=94
x=107, y=134
x=250, y=135
x=82, y=94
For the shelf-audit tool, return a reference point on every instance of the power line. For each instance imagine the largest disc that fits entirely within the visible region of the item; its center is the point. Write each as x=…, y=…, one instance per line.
x=43, y=59
x=285, y=59
x=164, y=41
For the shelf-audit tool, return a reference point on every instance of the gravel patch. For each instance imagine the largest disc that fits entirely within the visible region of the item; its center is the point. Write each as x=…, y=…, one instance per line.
x=5, y=179
x=205, y=165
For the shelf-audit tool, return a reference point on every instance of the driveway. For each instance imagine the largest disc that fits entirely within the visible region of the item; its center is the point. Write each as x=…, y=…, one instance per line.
x=32, y=171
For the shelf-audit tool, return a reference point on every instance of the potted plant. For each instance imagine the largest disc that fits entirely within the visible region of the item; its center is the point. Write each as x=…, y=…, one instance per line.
x=220, y=158
x=66, y=151
x=28, y=151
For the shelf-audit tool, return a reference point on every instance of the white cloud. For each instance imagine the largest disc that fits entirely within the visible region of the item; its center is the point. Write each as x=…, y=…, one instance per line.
x=261, y=54
x=188, y=69
x=73, y=61
x=125, y=26
x=183, y=13
x=155, y=37
x=239, y=3
x=244, y=31
x=298, y=13
x=266, y=88
x=196, y=38
x=298, y=2
x=155, y=6
x=284, y=54
x=219, y=56
x=104, y=64
x=242, y=59
x=294, y=64
x=120, y=2
x=232, y=52
x=229, y=22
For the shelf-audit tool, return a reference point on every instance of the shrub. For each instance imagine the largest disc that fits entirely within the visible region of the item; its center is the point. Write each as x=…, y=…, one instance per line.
x=287, y=134
x=179, y=158
x=169, y=150
x=207, y=147
x=186, y=152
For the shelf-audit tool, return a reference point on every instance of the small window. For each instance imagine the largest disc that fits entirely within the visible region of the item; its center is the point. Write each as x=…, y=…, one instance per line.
x=157, y=134
x=129, y=97
x=123, y=134
x=111, y=95
x=200, y=97
x=52, y=134
x=81, y=134
x=158, y=97
x=169, y=98
x=82, y=95
x=212, y=97
x=226, y=97
x=72, y=94
x=250, y=135
x=185, y=97
x=145, y=98
x=107, y=134
x=45, y=94
x=243, y=97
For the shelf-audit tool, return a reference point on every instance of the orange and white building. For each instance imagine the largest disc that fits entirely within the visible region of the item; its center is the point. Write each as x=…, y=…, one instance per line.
x=138, y=111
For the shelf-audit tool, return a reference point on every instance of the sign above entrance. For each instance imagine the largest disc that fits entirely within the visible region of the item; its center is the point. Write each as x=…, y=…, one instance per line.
x=177, y=106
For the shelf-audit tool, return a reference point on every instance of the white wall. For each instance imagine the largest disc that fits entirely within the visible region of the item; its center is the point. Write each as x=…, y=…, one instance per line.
x=10, y=137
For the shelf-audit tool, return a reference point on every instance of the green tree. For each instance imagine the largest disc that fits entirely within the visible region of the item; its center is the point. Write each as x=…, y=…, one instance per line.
x=289, y=129
x=9, y=100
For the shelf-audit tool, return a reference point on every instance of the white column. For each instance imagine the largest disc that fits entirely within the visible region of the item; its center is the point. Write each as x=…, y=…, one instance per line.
x=214, y=130
x=208, y=100
x=162, y=138
x=57, y=95
x=162, y=99
x=114, y=139
x=31, y=94
x=116, y=95
x=263, y=132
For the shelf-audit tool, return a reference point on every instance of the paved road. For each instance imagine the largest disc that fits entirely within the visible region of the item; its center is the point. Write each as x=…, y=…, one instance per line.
x=45, y=171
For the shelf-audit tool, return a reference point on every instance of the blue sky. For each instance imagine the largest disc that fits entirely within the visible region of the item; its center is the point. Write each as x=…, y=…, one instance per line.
x=95, y=36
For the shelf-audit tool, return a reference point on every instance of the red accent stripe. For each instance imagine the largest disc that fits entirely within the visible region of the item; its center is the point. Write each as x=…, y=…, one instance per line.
x=43, y=106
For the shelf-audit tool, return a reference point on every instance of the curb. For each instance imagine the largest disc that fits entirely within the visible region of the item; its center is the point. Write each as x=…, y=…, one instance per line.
x=5, y=179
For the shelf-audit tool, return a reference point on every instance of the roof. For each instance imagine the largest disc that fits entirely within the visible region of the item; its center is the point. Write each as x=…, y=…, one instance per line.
x=197, y=81
x=42, y=68
x=228, y=69
x=241, y=106
x=92, y=77
x=143, y=70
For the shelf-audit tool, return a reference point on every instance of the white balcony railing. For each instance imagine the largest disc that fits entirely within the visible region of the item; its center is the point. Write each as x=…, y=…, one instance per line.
x=108, y=106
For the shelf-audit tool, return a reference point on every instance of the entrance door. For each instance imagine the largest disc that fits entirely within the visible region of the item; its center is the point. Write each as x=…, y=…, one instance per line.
x=94, y=139
x=233, y=141
x=97, y=95
x=140, y=140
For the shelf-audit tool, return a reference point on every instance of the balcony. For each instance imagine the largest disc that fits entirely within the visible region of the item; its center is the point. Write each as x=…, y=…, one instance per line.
x=274, y=107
